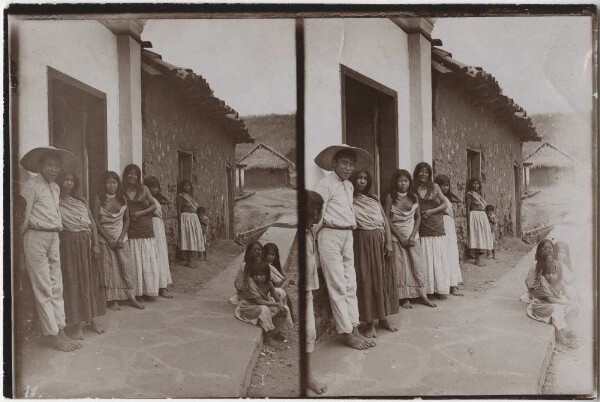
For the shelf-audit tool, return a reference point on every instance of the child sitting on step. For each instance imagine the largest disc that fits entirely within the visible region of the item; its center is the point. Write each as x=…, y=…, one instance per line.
x=279, y=278
x=261, y=304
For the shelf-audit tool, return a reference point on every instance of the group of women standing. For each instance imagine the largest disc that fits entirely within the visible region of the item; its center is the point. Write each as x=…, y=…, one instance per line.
x=408, y=249
x=117, y=251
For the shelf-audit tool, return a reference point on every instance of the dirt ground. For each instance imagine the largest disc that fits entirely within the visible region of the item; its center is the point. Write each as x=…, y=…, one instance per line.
x=508, y=252
x=277, y=372
x=190, y=280
x=264, y=207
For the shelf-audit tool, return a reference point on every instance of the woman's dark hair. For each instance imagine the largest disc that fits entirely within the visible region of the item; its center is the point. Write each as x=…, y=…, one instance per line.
x=394, y=185
x=182, y=184
x=561, y=245
x=272, y=248
x=354, y=178
x=200, y=210
x=249, y=247
x=61, y=179
x=429, y=184
x=540, y=262
x=489, y=208
x=541, y=244
x=443, y=180
x=152, y=182
x=470, y=183
x=103, y=179
x=260, y=268
x=139, y=187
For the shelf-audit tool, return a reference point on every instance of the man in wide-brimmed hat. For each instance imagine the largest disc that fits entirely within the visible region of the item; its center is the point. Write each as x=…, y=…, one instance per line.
x=41, y=224
x=334, y=237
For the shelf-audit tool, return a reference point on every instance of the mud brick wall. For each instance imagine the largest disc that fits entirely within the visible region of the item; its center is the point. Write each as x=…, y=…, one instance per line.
x=460, y=122
x=169, y=126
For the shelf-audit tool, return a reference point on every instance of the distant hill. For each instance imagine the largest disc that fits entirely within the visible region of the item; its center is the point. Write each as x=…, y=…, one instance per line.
x=276, y=130
x=568, y=131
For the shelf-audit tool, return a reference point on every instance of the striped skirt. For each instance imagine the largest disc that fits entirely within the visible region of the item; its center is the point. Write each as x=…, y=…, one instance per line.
x=164, y=272
x=480, y=232
x=191, y=237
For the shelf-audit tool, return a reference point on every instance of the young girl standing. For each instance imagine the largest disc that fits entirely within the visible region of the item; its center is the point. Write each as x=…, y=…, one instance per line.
x=164, y=273
x=451, y=241
x=191, y=238
x=260, y=304
x=82, y=279
x=142, y=242
x=433, y=234
x=375, y=274
x=550, y=303
x=402, y=208
x=112, y=219
x=480, y=232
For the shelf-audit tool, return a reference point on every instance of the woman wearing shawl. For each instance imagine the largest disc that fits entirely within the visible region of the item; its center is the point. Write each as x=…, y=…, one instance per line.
x=402, y=208
x=375, y=274
x=191, y=238
x=82, y=280
x=480, y=232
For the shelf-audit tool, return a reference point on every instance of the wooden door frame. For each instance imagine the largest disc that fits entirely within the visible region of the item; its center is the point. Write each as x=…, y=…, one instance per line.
x=346, y=72
x=54, y=74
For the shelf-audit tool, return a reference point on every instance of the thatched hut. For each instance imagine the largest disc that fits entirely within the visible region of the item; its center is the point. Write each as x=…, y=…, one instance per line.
x=548, y=165
x=266, y=168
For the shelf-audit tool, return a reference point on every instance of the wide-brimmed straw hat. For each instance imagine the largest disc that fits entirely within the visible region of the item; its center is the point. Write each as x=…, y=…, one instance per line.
x=31, y=160
x=325, y=157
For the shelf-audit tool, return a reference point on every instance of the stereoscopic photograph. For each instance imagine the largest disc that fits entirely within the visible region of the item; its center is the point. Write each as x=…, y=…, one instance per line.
x=155, y=250
x=445, y=167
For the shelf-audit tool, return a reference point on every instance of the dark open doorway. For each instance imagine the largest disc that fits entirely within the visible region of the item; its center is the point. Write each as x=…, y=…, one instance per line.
x=77, y=122
x=370, y=121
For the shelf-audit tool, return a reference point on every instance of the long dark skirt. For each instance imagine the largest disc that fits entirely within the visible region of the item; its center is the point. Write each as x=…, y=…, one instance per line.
x=376, y=281
x=81, y=289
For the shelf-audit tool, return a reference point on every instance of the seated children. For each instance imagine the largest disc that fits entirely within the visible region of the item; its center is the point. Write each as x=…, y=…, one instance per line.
x=260, y=303
x=490, y=210
x=41, y=224
x=549, y=303
x=314, y=210
x=530, y=280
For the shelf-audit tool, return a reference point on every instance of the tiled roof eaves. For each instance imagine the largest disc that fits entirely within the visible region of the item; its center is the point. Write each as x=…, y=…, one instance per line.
x=198, y=95
x=488, y=91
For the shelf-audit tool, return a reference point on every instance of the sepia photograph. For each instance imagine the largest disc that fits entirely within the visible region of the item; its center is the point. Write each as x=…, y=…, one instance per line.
x=315, y=202
x=449, y=169
x=154, y=175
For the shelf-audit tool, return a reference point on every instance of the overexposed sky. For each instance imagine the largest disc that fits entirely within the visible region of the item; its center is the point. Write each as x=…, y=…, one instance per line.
x=250, y=63
x=543, y=63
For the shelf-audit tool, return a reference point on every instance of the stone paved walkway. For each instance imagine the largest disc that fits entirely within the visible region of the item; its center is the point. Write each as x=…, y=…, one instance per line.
x=479, y=344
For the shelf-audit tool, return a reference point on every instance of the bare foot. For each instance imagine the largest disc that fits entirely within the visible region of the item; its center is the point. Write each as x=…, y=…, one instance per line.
x=59, y=343
x=354, y=342
x=165, y=293
x=385, y=324
x=114, y=305
x=406, y=304
x=96, y=328
x=454, y=291
x=427, y=302
x=62, y=334
x=478, y=262
x=360, y=336
x=77, y=333
x=135, y=303
x=315, y=385
x=371, y=332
